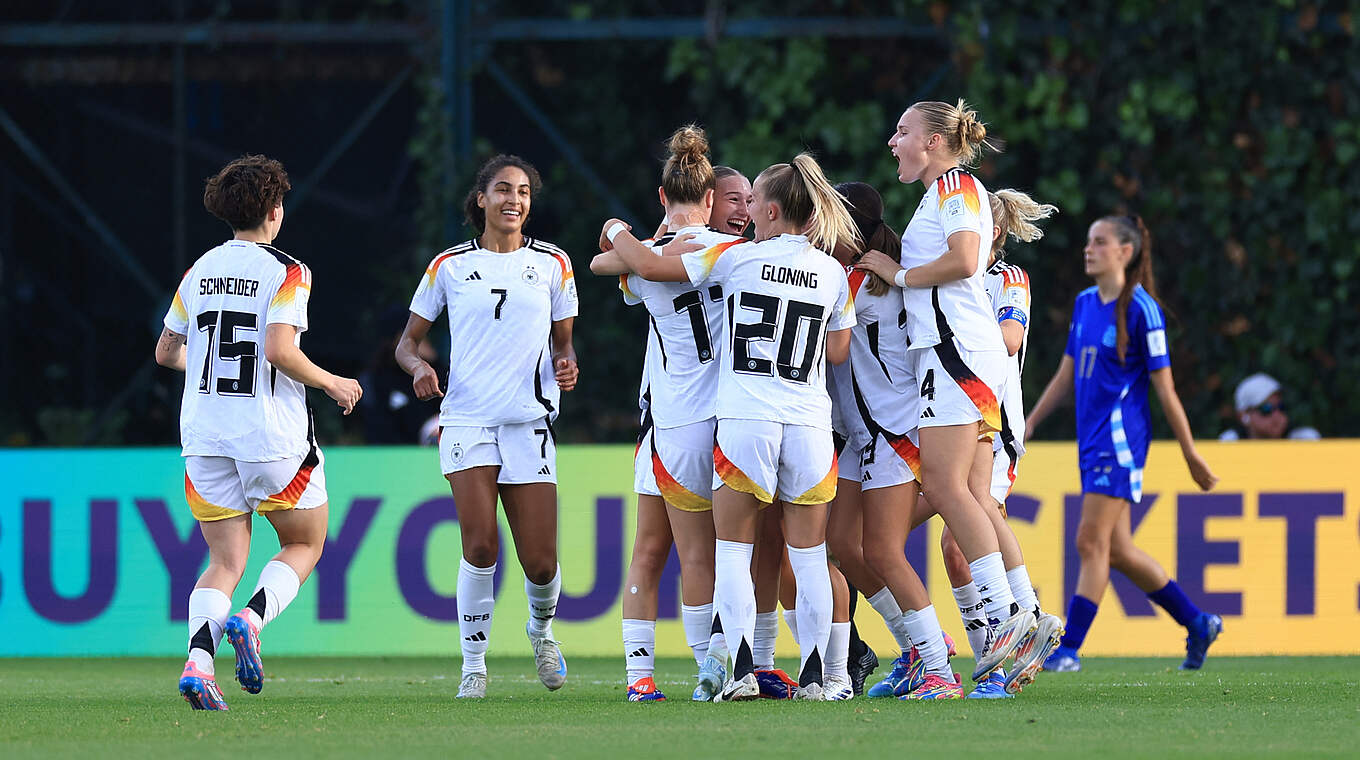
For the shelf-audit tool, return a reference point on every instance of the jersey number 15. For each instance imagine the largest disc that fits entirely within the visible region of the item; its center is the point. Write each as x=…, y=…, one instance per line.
x=222, y=326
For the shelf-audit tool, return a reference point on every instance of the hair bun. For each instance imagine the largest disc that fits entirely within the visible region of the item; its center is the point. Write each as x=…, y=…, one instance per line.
x=689, y=144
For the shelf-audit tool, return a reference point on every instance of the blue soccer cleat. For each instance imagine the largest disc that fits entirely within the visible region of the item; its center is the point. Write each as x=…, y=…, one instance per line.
x=712, y=674
x=1063, y=660
x=1203, y=632
x=993, y=687
x=244, y=636
x=644, y=690
x=776, y=684
x=907, y=675
x=200, y=690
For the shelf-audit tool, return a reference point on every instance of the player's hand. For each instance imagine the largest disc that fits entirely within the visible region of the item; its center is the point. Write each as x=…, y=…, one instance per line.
x=426, y=383
x=1199, y=470
x=880, y=264
x=346, y=392
x=681, y=245
x=605, y=245
x=566, y=372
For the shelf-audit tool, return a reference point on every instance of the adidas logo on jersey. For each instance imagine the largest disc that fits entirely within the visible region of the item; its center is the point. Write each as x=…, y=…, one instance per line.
x=928, y=413
x=478, y=636
x=639, y=652
x=474, y=276
x=545, y=470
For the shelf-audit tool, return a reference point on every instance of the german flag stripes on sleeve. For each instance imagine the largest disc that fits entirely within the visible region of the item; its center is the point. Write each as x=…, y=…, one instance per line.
x=960, y=205
x=709, y=263
x=289, y=305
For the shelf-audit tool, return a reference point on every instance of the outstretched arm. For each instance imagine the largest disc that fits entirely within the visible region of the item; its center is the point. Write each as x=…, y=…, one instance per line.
x=1180, y=427
x=639, y=258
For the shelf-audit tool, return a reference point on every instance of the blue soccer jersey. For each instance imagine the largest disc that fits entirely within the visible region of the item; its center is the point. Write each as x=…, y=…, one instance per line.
x=1113, y=421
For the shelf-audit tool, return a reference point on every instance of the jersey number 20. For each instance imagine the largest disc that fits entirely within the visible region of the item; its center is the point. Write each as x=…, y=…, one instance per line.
x=776, y=318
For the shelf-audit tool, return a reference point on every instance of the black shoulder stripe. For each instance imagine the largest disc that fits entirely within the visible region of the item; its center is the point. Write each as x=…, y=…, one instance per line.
x=282, y=257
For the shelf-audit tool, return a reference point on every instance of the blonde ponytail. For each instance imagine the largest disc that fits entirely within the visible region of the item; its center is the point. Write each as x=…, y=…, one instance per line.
x=1014, y=214
x=809, y=202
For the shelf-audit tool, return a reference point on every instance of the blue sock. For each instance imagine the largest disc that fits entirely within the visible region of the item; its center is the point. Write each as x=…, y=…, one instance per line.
x=1172, y=599
x=1080, y=613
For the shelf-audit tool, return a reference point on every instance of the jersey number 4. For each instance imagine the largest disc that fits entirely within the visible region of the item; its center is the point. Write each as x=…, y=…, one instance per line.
x=776, y=319
x=223, y=325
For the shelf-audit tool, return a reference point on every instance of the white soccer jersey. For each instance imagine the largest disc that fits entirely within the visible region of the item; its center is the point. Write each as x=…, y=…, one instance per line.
x=687, y=325
x=1008, y=289
x=960, y=308
x=845, y=418
x=885, y=392
x=501, y=310
x=782, y=296
x=236, y=404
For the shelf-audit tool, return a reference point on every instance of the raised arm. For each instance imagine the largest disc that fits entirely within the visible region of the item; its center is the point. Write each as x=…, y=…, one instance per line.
x=1180, y=427
x=426, y=380
x=639, y=258
x=1054, y=393
x=281, y=349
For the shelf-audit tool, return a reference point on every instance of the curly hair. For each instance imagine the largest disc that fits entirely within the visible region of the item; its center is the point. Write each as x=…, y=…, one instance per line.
x=244, y=192
x=476, y=215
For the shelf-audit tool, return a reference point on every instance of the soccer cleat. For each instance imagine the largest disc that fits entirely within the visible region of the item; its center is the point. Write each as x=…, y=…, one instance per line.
x=712, y=673
x=813, y=692
x=1063, y=660
x=907, y=674
x=244, y=636
x=200, y=690
x=837, y=689
x=1002, y=640
x=552, y=666
x=993, y=687
x=936, y=687
x=1203, y=631
x=776, y=684
x=644, y=690
x=861, y=668
x=1034, y=651
x=739, y=690
x=473, y=686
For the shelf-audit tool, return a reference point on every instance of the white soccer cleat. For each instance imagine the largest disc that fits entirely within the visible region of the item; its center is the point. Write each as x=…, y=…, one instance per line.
x=813, y=692
x=740, y=690
x=552, y=666
x=473, y=686
x=838, y=689
x=1030, y=656
x=1002, y=641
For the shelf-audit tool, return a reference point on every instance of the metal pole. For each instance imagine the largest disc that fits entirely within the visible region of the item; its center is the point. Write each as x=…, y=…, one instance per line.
x=179, y=167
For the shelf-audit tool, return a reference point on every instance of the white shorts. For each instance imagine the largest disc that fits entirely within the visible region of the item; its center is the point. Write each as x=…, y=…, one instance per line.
x=959, y=386
x=526, y=452
x=682, y=465
x=847, y=460
x=644, y=479
x=793, y=463
x=221, y=487
x=1007, y=450
x=888, y=462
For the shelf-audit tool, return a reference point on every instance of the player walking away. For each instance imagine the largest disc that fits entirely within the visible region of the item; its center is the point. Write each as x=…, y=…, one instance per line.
x=958, y=356
x=511, y=301
x=686, y=325
x=788, y=309
x=245, y=426
x=1116, y=343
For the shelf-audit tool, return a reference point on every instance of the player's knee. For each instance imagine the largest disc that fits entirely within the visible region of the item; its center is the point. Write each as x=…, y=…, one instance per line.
x=880, y=557
x=647, y=561
x=480, y=552
x=541, y=572
x=1090, y=544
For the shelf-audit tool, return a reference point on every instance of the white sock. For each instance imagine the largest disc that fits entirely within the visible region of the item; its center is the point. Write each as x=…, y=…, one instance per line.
x=813, y=602
x=639, y=648
x=791, y=620
x=989, y=575
x=698, y=622
x=280, y=585
x=1023, y=591
x=767, y=630
x=885, y=604
x=974, y=619
x=207, y=607
x=838, y=651
x=543, y=603
x=734, y=595
x=929, y=640
x=476, y=600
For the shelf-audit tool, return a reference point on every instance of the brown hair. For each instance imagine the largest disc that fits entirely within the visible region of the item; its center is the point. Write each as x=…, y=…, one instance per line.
x=865, y=206
x=476, y=215
x=1014, y=214
x=1138, y=271
x=810, y=202
x=963, y=134
x=244, y=192
x=723, y=172
x=687, y=175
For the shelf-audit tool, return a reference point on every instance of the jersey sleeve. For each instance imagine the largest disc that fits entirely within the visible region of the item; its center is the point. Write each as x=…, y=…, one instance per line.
x=710, y=264
x=1147, y=324
x=429, y=301
x=177, y=318
x=564, y=302
x=959, y=206
x=843, y=314
x=1072, y=347
x=1015, y=299
x=289, y=305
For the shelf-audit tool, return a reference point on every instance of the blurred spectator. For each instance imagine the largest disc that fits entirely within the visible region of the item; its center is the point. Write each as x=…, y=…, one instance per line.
x=1261, y=412
x=392, y=414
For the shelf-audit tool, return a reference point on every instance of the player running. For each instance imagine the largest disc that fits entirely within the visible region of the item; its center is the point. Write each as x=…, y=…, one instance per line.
x=511, y=301
x=788, y=309
x=1117, y=342
x=245, y=426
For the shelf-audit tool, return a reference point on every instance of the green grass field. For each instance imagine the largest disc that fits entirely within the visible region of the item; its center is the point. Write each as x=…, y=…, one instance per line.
x=404, y=707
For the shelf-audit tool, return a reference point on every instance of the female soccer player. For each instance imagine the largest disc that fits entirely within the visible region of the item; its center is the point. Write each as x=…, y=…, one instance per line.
x=958, y=356
x=244, y=424
x=788, y=310
x=1117, y=342
x=511, y=301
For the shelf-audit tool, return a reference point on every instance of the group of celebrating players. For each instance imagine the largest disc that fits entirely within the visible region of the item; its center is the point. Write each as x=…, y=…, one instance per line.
x=775, y=480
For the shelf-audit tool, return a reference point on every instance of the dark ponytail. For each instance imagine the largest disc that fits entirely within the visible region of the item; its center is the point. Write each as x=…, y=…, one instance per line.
x=1130, y=230
x=865, y=206
x=476, y=215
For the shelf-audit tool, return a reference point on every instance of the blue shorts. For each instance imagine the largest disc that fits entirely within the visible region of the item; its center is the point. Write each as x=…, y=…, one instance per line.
x=1108, y=478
